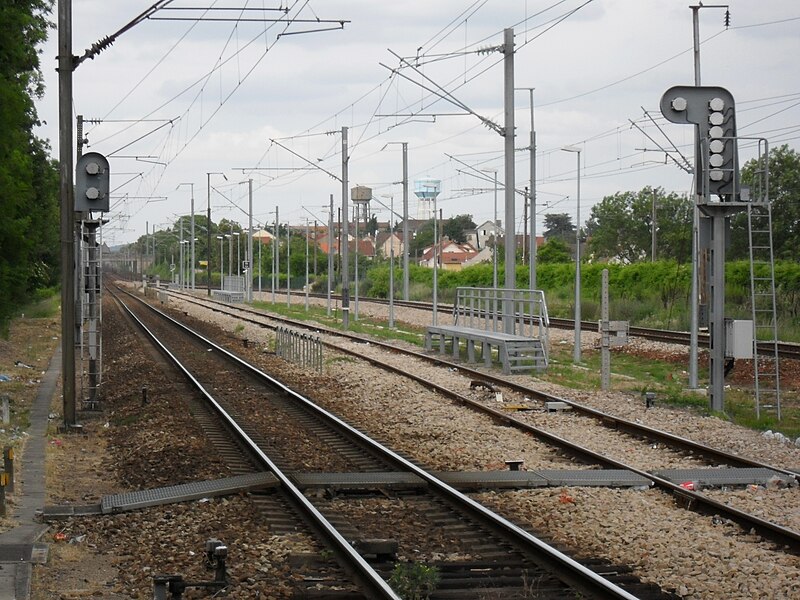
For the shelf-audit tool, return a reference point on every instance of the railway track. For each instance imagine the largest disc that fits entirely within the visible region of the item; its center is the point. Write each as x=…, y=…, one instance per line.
x=683, y=446
x=291, y=430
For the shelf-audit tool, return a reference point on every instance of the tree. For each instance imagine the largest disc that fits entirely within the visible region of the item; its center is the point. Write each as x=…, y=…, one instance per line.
x=558, y=225
x=784, y=193
x=620, y=226
x=554, y=250
x=455, y=227
x=29, y=240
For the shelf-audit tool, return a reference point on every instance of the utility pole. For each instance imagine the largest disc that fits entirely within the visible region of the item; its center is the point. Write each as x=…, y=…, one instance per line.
x=694, y=309
x=530, y=196
x=330, y=254
x=508, y=134
x=653, y=232
x=533, y=248
x=405, y=221
x=344, y=245
x=250, y=240
x=275, y=241
x=208, y=238
x=66, y=66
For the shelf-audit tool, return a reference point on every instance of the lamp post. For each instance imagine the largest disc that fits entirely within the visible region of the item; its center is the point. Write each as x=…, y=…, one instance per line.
x=191, y=233
x=576, y=355
x=220, y=238
x=208, y=224
x=184, y=269
x=238, y=255
x=229, y=237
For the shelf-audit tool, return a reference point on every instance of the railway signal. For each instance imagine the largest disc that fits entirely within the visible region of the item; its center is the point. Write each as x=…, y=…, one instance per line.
x=92, y=183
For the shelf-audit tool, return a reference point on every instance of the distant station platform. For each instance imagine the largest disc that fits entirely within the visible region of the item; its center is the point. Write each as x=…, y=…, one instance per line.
x=510, y=326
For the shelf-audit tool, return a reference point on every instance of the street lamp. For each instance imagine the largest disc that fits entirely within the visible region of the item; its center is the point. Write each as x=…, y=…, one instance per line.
x=238, y=255
x=576, y=355
x=191, y=232
x=220, y=238
x=229, y=237
x=208, y=234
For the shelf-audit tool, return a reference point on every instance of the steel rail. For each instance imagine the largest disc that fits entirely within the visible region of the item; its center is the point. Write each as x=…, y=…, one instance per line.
x=694, y=500
x=363, y=572
x=631, y=427
x=561, y=566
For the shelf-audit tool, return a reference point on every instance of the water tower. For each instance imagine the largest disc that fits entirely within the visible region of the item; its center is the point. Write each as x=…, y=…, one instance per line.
x=426, y=190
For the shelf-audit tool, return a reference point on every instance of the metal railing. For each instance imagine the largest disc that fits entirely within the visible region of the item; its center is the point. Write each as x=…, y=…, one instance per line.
x=487, y=308
x=303, y=349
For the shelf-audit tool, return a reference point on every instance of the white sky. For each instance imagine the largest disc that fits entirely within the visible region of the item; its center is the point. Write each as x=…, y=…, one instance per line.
x=230, y=88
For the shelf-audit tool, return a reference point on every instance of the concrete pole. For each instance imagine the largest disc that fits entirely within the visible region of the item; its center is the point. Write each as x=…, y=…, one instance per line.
x=330, y=254
x=288, y=265
x=230, y=251
x=356, y=208
x=191, y=251
x=181, y=276
x=405, y=221
x=307, y=254
x=577, y=351
x=221, y=257
x=250, y=240
x=208, y=238
x=605, y=352
x=532, y=251
x=694, y=309
x=275, y=241
x=716, y=327
x=391, y=262
x=509, y=135
x=494, y=229
x=67, y=213
x=653, y=230
x=435, y=265
x=343, y=242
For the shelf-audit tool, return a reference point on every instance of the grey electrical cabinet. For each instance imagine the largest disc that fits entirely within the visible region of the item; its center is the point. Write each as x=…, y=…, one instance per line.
x=738, y=338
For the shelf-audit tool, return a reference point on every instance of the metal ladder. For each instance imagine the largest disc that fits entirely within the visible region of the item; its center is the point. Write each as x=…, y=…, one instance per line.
x=91, y=314
x=762, y=290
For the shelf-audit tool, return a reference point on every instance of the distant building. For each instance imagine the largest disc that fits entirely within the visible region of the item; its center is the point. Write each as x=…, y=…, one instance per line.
x=451, y=255
x=484, y=232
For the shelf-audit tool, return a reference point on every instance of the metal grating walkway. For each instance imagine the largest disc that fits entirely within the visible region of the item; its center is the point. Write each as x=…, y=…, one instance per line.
x=471, y=480
x=185, y=492
x=720, y=477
